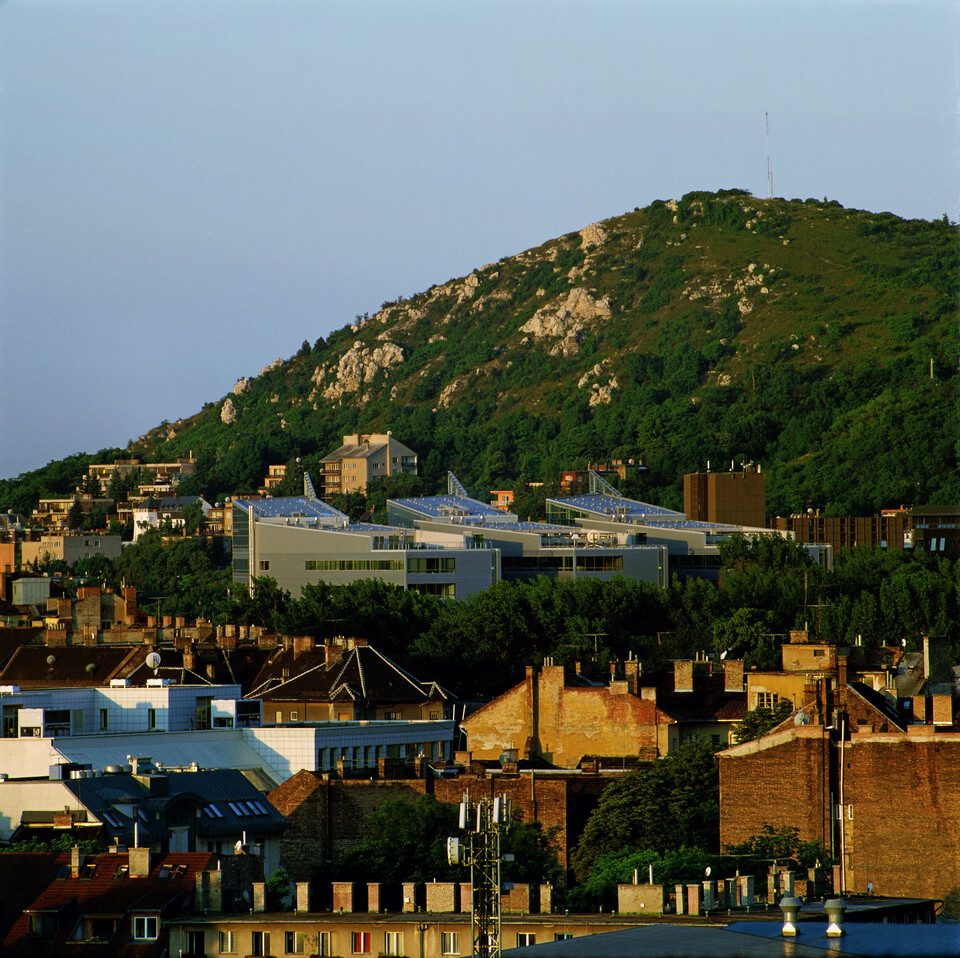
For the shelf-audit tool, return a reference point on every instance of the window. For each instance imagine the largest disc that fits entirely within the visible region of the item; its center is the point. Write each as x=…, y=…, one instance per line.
x=294, y=942
x=431, y=564
x=151, y=718
x=434, y=715
x=264, y=565
x=562, y=935
x=360, y=942
x=391, y=716
x=279, y=716
x=293, y=716
x=43, y=925
x=323, y=943
x=767, y=700
x=393, y=942
x=146, y=928
x=261, y=943
x=450, y=943
x=525, y=938
x=104, y=719
x=228, y=942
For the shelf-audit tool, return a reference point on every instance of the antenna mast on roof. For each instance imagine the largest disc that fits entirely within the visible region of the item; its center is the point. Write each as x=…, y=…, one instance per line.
x=766, y=120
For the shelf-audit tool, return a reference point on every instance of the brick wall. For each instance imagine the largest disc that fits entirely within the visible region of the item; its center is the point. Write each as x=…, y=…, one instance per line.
x=904, y=792
x=780, y=780
x=329, y=816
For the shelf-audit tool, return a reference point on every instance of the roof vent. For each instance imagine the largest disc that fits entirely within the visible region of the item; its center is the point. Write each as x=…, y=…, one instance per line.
x=834, y=907
x=791, y=908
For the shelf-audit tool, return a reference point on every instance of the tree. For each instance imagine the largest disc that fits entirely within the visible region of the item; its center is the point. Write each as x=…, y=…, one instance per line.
x=760, y=720
x=672, y=804
x=405, y=841
x=75, y=516
x=781, y=844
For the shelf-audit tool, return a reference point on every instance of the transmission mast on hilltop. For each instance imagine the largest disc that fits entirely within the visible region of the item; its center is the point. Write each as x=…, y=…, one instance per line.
x=766, y=120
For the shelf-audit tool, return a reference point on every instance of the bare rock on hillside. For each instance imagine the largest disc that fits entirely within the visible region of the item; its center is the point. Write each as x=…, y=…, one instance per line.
x=359, y=365
x=567, y=320
x=593, y=235
x=276, y=364
x=600, y=395
x=243, y=384
x=228, y=414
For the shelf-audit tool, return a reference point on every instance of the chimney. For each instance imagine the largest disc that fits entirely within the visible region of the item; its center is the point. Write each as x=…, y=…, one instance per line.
x=259, y=896
x=139, y=861
x=76, y=861
x=331, y=653
x=301, y=644
x=733, y=675
x=303, y=896
x=683, y=675
x=632, y=669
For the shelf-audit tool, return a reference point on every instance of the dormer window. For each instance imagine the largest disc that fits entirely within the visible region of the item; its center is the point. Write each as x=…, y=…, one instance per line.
x=146, y=927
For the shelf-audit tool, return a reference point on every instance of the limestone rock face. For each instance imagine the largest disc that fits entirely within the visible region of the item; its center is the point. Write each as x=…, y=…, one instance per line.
x=566, y=320
x=243, y=384
x=592, y=235
x=359, y=365
x=276, y=364
x=602, y=394
x=228, y=414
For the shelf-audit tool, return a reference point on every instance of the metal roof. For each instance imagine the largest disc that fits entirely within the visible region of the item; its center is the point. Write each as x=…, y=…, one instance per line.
x=290, y=507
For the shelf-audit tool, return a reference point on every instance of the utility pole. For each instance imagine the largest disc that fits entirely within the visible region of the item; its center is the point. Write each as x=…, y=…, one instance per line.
x=484, y=821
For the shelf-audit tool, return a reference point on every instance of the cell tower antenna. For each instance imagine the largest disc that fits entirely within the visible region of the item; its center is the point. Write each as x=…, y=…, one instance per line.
x=766, y=120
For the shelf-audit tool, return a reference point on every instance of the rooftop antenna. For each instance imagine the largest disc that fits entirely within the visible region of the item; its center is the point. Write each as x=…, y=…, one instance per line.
x=766, y=120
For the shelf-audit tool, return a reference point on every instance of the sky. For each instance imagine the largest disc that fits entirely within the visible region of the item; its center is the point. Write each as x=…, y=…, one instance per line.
x=189, y=189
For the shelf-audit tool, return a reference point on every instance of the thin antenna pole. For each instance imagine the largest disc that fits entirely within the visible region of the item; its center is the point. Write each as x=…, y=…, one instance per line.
x=766, y=120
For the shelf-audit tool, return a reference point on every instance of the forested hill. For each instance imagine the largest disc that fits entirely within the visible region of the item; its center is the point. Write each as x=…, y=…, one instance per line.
x=816, y=340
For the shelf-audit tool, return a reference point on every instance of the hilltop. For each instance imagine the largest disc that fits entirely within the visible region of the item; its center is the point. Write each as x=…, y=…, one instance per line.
x=816, y=340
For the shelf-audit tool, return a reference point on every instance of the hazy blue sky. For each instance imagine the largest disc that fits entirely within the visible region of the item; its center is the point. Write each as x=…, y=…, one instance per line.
x=191, y=188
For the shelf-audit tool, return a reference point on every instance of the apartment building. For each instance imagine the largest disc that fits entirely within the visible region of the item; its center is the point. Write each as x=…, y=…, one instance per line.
x=364, y=457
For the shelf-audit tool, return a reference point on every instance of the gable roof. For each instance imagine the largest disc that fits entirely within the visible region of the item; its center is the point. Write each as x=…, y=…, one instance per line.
x=73, y=666
x=361, y=674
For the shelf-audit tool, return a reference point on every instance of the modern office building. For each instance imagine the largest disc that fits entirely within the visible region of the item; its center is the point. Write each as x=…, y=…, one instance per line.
x=531, y=549
x=302, y=541
x=691, y=544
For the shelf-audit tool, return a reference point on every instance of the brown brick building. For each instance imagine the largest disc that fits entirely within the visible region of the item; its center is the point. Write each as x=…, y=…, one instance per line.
x=562, y=718
x=845, y=532
x=737, y=497
x=872, y=774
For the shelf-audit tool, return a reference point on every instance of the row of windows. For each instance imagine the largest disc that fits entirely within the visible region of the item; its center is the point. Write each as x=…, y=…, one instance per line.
x=432, y=564
x=446, y=590
x=584, y=563
x=361, y=942
x=354, y=565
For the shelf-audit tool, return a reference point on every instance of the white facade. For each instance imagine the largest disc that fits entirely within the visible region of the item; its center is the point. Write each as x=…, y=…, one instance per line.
x=160, y=707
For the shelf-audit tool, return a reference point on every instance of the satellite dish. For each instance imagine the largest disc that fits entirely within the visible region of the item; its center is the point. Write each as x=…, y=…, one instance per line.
x=51, y=659
x=800, y=719
x=92, y=667
x=153, y=660
x=707, y=871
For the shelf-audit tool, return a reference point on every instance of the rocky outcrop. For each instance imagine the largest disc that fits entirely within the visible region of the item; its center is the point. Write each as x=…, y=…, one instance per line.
x=359, y=365
x=566, y=320
x=228, y=414
x=593, y=235
x=276, y=364
x=243, y=384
